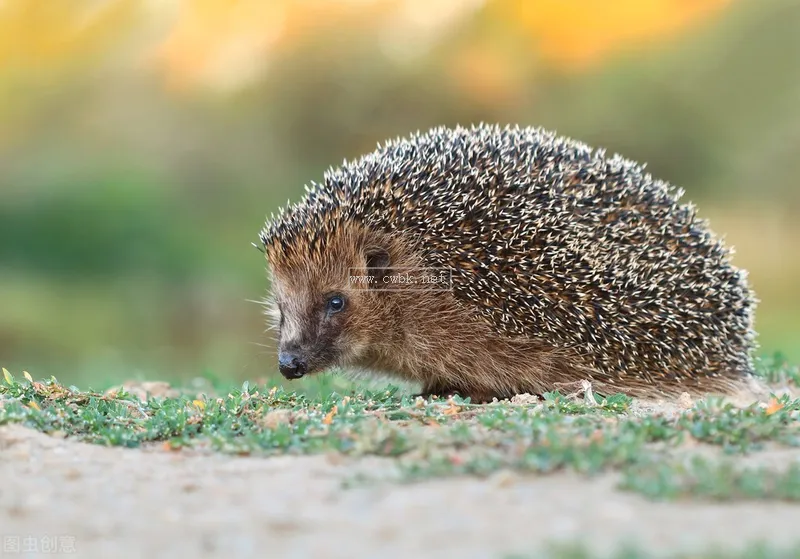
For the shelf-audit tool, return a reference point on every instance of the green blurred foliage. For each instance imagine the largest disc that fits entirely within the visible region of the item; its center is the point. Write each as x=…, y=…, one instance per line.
x=127, y=209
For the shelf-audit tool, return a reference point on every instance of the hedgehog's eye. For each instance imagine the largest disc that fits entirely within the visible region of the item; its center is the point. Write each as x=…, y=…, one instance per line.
x=335, y=303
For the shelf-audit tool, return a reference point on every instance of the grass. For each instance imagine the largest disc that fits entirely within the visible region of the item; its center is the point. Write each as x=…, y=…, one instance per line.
x=692, y=454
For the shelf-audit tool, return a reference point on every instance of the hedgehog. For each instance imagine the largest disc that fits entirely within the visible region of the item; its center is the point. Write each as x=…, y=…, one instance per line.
x=491, y=261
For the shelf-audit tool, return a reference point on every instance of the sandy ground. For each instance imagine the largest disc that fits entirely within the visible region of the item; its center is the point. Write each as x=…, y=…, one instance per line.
x=114, y=502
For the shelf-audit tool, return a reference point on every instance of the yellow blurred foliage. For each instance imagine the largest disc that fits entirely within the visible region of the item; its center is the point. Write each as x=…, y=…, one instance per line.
x=224, y=43
x=486, y=75
x=573, y=34
x=218, y=39
x=41, y=42
x=36, y=35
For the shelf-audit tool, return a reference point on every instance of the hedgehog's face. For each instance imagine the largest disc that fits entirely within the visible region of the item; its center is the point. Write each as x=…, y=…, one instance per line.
x=322, y=313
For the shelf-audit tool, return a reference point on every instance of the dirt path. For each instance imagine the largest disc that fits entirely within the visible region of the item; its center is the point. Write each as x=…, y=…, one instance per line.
x=118, y=502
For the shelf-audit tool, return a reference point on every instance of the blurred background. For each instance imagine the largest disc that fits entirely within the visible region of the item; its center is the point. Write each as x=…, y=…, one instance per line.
x=143, y=142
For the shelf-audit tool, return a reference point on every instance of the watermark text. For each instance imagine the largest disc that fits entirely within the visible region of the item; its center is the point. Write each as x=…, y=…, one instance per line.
x=14, y=544
x=403, y=279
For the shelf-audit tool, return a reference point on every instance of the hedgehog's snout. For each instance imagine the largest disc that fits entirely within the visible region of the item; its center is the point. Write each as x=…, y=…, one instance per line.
x=291, y=365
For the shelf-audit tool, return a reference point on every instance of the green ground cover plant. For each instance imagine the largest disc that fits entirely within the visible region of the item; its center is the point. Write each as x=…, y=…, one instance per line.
x=694, y=451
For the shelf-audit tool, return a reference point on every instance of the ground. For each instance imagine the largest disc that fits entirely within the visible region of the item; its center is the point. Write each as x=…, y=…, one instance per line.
x=269, y=473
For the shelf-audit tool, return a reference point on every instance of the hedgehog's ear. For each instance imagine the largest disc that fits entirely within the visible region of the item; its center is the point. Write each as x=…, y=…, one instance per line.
x=378, y=261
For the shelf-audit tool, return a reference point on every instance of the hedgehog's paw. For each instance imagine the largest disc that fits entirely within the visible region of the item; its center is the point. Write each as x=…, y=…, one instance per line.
x=475, y=396
x=431, y=394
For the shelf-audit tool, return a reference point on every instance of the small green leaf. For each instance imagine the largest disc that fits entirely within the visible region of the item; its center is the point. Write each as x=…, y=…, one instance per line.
x=8, y=377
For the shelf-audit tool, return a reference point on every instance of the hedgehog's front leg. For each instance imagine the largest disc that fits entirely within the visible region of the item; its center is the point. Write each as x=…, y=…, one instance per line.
x=440, y=390
x=443, y=392
x=441, y=395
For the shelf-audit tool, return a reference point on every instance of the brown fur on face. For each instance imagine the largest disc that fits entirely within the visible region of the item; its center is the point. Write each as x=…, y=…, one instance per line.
x=305, y=280
x=422, y=335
